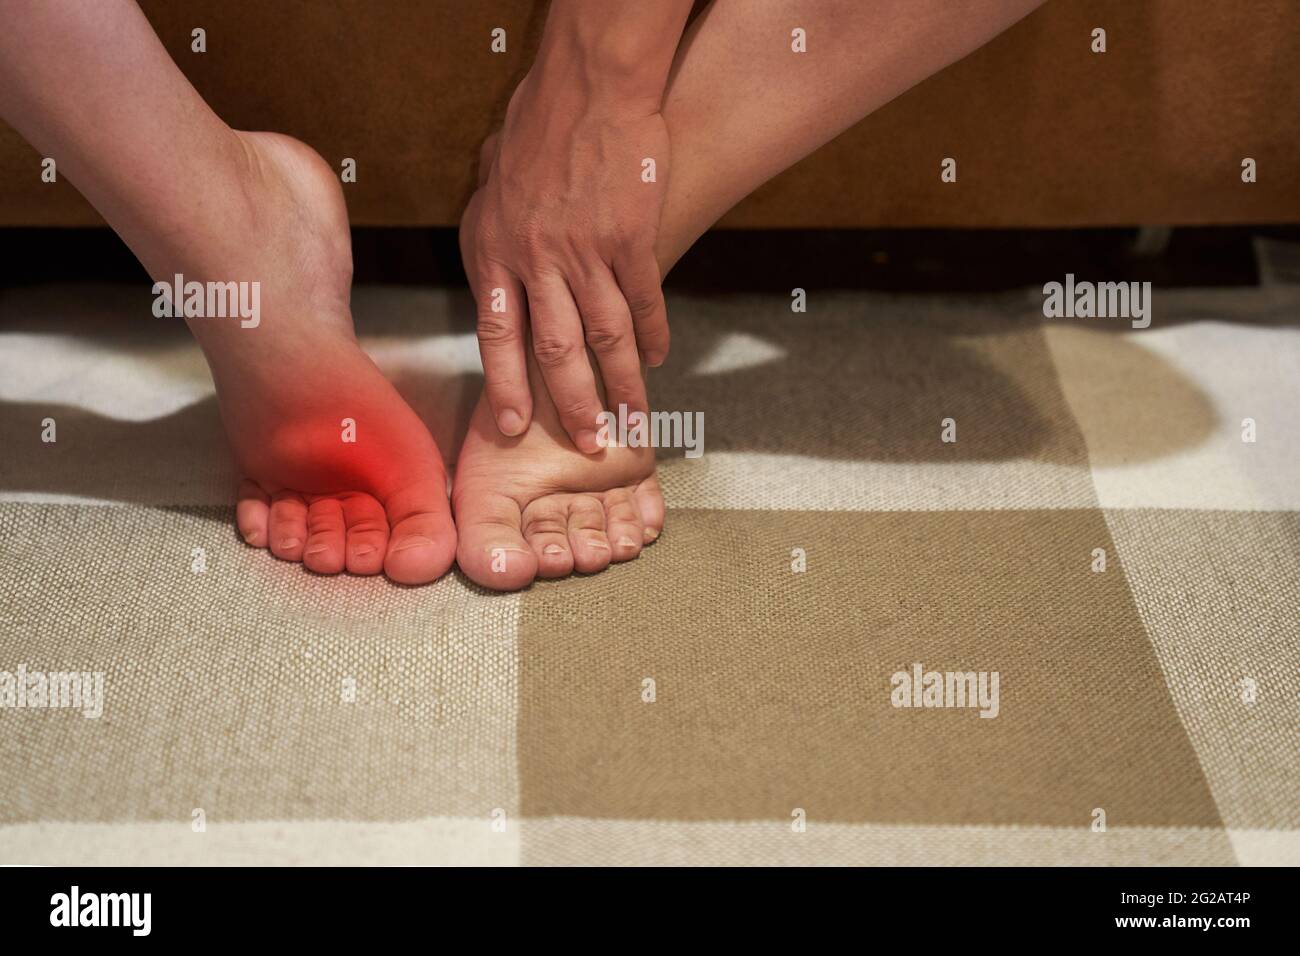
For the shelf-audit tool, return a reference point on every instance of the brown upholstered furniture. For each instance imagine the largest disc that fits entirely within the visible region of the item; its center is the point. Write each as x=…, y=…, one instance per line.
x=1047, y=132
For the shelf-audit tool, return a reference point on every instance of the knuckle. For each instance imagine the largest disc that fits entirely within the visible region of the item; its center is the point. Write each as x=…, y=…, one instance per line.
x=575, y=410
x=654, y=337
x=625, y=390
x=607, y=336
x=496, y=329
x=553, y=350
x=644, y=302
x=533, y=249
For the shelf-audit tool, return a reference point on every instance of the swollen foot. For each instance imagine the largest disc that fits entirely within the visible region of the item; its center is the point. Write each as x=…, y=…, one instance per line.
x=339, y=473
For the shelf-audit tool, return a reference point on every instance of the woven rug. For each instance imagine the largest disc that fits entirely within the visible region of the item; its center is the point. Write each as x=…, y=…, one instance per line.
x=1099, y=536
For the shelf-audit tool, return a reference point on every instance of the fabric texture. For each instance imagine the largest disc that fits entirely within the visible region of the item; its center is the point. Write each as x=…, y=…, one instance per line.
x=727, y=698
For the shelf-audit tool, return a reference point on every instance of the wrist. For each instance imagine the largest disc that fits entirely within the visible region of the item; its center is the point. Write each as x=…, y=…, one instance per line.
x=607, y=72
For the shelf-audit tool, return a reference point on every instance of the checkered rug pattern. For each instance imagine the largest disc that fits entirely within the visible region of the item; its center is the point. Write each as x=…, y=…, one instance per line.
x=1105, y=520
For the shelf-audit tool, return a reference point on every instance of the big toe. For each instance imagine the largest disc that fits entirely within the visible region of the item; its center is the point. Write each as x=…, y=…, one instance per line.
x=492, y=550
x=422, y=539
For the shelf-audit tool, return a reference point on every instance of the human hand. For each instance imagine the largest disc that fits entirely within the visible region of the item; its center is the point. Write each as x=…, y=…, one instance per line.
x=559, y=243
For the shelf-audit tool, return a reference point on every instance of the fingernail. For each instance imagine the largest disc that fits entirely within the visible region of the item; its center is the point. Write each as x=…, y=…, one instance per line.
x=288, y=544
x=655, y=359
x=414, y=541
x=510, y=422
x=586, y=442
x=552, y=549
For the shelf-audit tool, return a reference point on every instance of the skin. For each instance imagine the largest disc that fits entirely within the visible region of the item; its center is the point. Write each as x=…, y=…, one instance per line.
x=740, y=107
x=565, y=222
x=88, y=83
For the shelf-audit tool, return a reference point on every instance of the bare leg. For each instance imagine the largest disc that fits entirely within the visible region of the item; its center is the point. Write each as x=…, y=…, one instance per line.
x=88, y=84
x=740, y=108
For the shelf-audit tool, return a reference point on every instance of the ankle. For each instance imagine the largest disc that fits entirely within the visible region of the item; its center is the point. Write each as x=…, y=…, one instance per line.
x=204, y=203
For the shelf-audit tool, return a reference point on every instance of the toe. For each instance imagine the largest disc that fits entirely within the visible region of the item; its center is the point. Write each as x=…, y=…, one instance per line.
x=545, y=527
x=253, y=513
x=650, y=501
x=587, y=534
x=422, y=537
x=288, y=525
x=326, y=536
x=623, y=524
x=367, y=534
x=492, y=550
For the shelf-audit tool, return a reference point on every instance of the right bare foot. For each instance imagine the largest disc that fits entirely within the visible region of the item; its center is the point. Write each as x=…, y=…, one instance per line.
x=286, y=387
x=535, y=506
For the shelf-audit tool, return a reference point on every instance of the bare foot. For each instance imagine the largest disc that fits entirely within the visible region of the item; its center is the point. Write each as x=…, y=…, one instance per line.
x=339, y=472
x=533, y=505
x=536, y=506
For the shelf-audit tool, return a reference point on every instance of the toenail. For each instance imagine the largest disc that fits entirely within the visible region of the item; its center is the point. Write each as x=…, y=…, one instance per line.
x=414, y=541
x=288, y=544
x=626, y=543
x=595, y=543
x=650, y=534
x=552, y=549
x=318, y=549
x=363, y=550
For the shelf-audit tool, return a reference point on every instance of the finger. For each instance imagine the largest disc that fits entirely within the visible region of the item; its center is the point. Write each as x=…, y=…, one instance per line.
x=502, y=344
x=561, y=355
x=638, y=277
x=612, y=339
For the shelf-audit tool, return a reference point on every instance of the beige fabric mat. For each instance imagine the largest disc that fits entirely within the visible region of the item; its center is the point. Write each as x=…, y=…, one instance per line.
x=509, y=729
